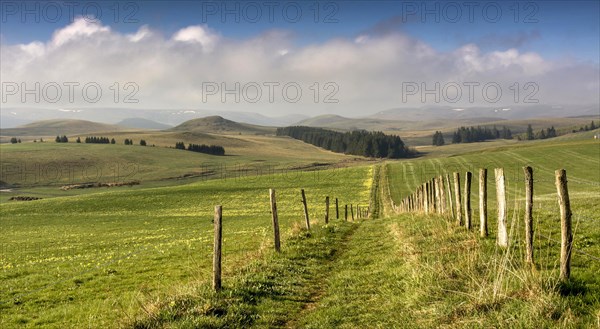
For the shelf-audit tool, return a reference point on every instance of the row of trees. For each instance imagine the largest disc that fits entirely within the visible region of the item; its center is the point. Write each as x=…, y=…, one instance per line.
x=480, y=134
x=208, y=149
x=97, y=140
x=202, y=148
x=541, y=134
x=592, y=126
x=15, y=140
x=358, y=142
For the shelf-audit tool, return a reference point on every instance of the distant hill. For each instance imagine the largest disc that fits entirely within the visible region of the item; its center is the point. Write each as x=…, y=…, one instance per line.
x=220, y=125
x=12, y=117
x=516, y=112
x=59, y=127
x=142, y=123
x=338, y=122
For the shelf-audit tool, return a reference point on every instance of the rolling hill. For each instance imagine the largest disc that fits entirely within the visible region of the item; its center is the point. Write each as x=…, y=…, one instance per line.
x=59, y=127
x=220, y=125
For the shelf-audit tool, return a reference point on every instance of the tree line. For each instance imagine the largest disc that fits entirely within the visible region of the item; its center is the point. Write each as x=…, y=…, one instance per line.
x=541, y=134
x=359, y=142
x=201, y=148
x=480, y=134
x=551, y=132
x=592, y=126
x=99, y=140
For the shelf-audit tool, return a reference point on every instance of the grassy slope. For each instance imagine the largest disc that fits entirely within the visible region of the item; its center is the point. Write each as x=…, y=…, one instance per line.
x=96, y=257
x=421, y=272
x=46, y=166
x=418, y=271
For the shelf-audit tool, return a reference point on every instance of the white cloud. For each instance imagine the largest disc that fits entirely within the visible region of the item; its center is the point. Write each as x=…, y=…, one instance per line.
x=368, y=70
x=197, y=34
x=142, y=33
x=81, y=28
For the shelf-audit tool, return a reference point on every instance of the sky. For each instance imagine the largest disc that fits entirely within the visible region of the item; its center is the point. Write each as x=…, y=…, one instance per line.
x=309, y=57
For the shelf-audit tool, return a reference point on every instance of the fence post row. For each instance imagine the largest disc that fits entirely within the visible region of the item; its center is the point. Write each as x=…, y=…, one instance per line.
x=436, y=195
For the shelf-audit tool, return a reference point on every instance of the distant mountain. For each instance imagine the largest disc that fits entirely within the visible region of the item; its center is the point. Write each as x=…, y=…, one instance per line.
x=517, y=112
x=59, y=127
x=218, y=124
x=142, y=123
x=13, y=117
x=8, y=121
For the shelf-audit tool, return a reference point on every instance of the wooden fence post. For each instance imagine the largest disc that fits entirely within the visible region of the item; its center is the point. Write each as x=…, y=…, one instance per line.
x=275, y=220
x=346, y=212
x=337, y=209
x=352, y=211
x=216, y=282
x=468, y=178
x=502, y=239
x=420, y=202
x=450, y=201
x=457, y=199
x=305, y=210
x=528, y=215
x=432, y=187
x=326, y=210
x=426, y=196
x=422, y=198
x=443, y=201
x=566, y=241
x=483, y=220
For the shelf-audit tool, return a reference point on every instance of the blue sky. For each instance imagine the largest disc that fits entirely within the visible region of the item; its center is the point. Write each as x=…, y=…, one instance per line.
x=552, y=28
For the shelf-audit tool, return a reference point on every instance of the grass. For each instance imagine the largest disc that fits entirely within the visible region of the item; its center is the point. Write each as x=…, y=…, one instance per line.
x=141, y=257
x=421, y=272
x=41, y=168
x=95, y=256
x=416, y=271
x=268, y=292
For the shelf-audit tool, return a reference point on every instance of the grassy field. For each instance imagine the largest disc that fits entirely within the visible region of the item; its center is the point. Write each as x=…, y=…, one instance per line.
x=96, y=257
x=39, y=169
x=140, y=257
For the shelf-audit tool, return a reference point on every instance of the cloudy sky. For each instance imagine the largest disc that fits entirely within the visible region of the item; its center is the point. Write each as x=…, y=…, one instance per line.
x=350, y=58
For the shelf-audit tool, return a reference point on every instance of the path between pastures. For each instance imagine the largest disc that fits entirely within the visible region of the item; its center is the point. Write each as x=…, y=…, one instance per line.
x=367, y=283
x=359, y=273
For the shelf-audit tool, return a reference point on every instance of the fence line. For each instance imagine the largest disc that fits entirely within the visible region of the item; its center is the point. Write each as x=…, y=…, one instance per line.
x=429, y=198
